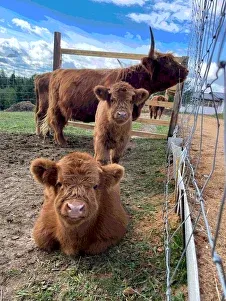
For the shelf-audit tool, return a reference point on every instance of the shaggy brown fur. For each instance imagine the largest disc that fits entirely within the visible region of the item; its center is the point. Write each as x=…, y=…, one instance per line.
x=156, y=110
x=113, y=121
x=82, y=211
x=71, y=93
x=42, y=98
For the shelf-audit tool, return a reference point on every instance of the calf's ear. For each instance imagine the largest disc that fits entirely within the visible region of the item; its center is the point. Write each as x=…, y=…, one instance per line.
x=140, y=96
x=102, y=93
x=44, y=171
x=112, y=174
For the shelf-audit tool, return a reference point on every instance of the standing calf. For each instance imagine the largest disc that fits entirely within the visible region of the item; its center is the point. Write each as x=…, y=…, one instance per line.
x=82, y=211
x=113, y=121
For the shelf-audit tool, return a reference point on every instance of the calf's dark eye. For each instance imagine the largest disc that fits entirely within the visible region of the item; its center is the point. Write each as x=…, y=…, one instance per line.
x=95, y=187
x=58, y=185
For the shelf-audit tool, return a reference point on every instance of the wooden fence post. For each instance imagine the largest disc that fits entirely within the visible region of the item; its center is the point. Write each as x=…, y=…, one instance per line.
x=175, y=111
x=57, y=51
x=177, y=101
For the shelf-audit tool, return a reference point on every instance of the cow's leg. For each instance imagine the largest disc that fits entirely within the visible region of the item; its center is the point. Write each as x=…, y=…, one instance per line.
x=57, y=123
x=119, y=150
x=102, y=154
x=44, y=237
x=151, y=112
x=155, y=112
x=68, y=247
x=161, y=109
x=100, y=246
x=39, y=118
x=37, y=125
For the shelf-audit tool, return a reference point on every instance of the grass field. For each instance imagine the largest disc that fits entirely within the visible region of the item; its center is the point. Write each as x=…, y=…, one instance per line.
x=132, y=270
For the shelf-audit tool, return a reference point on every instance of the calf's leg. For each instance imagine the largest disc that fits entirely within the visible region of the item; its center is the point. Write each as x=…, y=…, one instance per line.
x=102, y=154
x=119, y=150
x=43, y=237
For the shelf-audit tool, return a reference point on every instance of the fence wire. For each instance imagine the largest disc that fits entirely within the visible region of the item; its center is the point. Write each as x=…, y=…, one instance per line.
x=201, y=164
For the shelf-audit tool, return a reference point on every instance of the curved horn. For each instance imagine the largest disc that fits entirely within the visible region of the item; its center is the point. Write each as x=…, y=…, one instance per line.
x=152, y=49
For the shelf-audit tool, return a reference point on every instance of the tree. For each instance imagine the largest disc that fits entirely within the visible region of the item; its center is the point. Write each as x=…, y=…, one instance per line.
x=7, y=97
x=3, y=79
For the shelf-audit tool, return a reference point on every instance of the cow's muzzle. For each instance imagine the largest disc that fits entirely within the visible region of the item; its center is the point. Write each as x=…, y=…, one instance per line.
x=76, y=209
x=121, y=116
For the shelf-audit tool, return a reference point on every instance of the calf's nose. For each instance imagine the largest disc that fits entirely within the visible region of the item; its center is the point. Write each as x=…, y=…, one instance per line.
x=75, y=209
x=121, y=114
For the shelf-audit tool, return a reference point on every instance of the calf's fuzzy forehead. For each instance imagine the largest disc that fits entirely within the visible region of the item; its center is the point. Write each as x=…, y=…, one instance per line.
x=78, y=169
x=122, y=90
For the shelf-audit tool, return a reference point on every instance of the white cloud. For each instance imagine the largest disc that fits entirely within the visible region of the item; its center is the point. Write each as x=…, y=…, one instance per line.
x=128, y=35
x=178, y=11
x=217, y=88
x=158, y=21
x=211, y=73
x=2, y=29
x=123, y=2
x=170, y=16
x=24, y=25
x=2, y=20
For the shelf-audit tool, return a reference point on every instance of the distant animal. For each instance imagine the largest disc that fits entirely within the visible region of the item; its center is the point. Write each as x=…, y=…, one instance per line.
x=82, y=211
x=71, y=93
x=113, y=121
x=156, y=110
x=41, y=83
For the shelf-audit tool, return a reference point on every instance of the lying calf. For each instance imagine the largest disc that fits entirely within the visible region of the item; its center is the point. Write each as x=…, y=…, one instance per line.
x=82, y=210
x=113, y=120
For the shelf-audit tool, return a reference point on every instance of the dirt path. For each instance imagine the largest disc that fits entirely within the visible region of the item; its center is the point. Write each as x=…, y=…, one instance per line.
x=213, y=192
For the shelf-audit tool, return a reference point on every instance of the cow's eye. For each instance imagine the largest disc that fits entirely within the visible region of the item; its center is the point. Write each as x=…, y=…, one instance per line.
x=58, y=185
x=95, y=187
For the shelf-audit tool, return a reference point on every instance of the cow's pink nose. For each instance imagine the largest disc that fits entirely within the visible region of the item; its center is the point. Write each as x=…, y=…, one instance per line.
x=75, y=210
x=121, y=114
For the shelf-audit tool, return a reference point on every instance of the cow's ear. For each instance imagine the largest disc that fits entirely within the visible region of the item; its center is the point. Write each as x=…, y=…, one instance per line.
x=44, y=171
x=111, y=174
x=140, y=96
x=102, y=93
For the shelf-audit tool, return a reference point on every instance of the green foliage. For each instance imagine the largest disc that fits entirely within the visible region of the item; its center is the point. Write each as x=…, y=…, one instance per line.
x=7, y=97
x=14, y=89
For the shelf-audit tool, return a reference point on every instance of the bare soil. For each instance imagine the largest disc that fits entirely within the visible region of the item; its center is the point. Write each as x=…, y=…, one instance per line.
x=22, y=106
x=202, y=155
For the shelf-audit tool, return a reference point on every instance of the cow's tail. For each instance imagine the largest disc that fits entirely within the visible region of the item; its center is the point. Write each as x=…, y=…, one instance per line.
x=44, y=125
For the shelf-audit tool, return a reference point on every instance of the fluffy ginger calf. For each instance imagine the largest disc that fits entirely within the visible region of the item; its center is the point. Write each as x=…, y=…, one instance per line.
x=113, y=120
x=82, y=211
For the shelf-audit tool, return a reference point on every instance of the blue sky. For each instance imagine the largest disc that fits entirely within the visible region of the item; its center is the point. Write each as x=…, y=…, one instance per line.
x=27, y=27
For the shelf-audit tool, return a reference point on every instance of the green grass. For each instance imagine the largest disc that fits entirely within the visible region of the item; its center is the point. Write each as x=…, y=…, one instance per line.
x=17, y=122
x=23, y=122
x=138, y=261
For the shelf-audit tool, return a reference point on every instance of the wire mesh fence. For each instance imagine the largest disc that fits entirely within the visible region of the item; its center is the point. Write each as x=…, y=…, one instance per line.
x=199, y=161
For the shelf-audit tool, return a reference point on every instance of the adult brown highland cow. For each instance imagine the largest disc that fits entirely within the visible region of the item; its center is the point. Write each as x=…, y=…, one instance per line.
x=71, y=93
x=82, y=211
x=113, y=121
